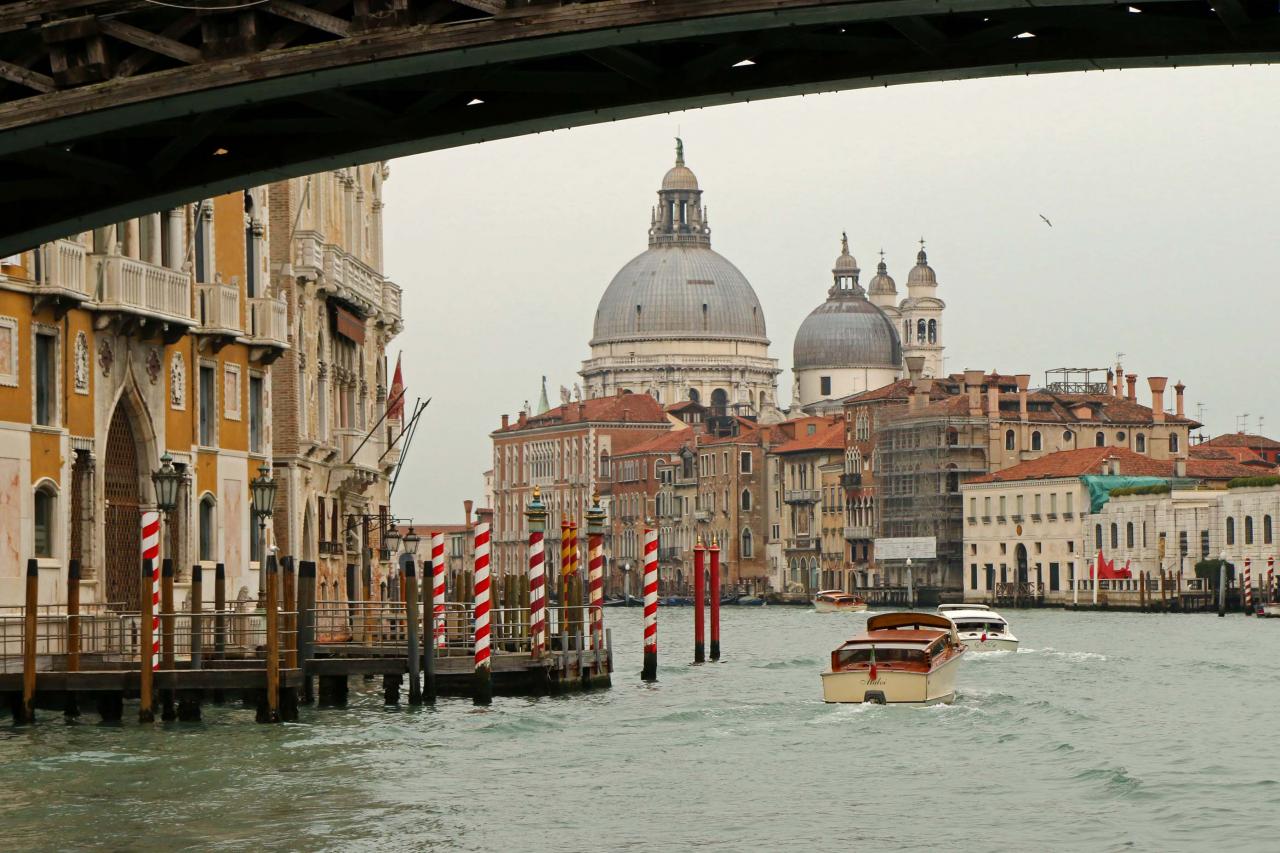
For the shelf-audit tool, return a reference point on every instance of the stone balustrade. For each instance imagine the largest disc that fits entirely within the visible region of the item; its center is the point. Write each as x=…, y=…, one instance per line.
x=218, y=307
x=128, y=284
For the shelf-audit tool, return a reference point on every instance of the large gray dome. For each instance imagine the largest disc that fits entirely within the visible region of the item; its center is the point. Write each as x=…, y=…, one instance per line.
x=673, y=291
x=847, y=332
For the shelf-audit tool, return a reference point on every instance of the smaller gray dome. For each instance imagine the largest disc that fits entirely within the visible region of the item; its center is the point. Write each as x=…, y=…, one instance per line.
x=679, y=177
x=846, y=263
x=922, y=273
x=847, y=332
x=882, y=284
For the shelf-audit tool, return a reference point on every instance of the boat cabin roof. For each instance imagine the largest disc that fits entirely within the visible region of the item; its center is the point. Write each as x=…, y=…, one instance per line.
x=944, y=608
x=892, y=621
x=985, y=616
x=895, y=639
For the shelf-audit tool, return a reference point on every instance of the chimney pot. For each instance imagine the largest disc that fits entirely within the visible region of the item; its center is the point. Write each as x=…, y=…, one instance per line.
x=505, y=420
x=1178, y=391
x=973, y=387
x=1132, y=381
x=1024, y=380
x=915, y=366
x=1157, y=384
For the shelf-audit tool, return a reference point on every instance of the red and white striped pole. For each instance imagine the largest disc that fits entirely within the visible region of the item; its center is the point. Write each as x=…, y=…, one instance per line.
x=650, y=593
x=437, y=590
x=595, y=571
x=1271, y=563
x=536, y=513
x=1246, y=591
x=151, y=551
x=483, y=687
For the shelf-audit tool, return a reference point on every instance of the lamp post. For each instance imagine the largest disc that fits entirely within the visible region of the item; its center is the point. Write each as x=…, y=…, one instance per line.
x=264, y=495
x=166, y=479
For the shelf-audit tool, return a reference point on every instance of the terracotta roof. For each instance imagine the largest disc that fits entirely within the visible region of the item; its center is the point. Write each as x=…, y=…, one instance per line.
x=828, y=436
x=1091, y=460
x=1243, y=439
x=686, y=404
x=1239, y=454
x=1054, y=408
x=668, y=442
x=629, y=408
x=893, y=391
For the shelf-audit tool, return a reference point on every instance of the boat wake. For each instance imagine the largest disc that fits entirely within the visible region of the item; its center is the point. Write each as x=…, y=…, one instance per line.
x=1049, y=651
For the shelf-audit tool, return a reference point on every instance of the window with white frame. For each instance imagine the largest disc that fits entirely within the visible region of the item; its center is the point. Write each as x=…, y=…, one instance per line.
x=44, y=517
x=45, y=375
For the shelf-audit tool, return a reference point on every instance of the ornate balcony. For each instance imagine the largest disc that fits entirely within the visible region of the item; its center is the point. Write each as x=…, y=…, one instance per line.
x=218, y=313
x=802, y=496
x=391, y=306
x=268, y=331
x=859, y=532
x=60, y=276
x=803, y=543
x=141, y=298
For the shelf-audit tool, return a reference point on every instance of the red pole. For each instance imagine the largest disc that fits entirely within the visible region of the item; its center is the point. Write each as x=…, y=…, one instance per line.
x=715, y=599
x=699, y=602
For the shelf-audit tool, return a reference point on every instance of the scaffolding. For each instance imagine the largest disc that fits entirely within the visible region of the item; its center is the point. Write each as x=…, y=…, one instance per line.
x=923, y=458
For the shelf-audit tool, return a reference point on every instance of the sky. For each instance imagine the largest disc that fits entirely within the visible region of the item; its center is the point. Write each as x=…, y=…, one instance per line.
x=1161, y=186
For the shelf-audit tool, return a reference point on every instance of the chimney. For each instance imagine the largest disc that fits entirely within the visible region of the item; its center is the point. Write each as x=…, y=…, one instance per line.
x=1157, y=384
x=1180, y=468
x=1119, y=379
x=1024, y=380
x=972, y=387
x=993, y=401
x=582, y=410
x=1132, y=380
x=1111, y=381
x=466, y=510
x=524, y=418
x=1111, y=466
x=913, y=399
x=915, y=366
x=505, y=420
x=1177, y=396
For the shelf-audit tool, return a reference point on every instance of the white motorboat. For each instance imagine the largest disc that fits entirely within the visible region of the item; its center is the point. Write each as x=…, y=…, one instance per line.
x=837, y=601
x=903, y=658
x=980, y=628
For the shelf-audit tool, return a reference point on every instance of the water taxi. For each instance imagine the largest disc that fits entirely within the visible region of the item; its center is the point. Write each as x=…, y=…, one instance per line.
x=836, y=601
x=980, y=628
x=907, y=658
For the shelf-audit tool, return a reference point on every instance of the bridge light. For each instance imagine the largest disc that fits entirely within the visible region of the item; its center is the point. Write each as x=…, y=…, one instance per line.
x=219, y=152
x=1134, y=10
x=474, y=102
x=1025, y=36
x=743, y=64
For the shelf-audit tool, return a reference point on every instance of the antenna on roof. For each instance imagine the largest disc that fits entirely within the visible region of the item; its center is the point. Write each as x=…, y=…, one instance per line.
x=1242, y=423
x=1261, y=420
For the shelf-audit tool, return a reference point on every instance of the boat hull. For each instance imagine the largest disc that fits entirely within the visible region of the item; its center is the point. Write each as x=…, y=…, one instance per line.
x=892, y=687
x=974, y=643
x=833, y=607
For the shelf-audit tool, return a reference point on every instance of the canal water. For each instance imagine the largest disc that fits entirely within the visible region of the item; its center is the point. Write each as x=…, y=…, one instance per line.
x=1103, y=732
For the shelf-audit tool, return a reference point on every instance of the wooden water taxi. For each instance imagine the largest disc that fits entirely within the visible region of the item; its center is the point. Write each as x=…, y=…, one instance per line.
x=980, y=628
x=907, y=658
x=838, y=601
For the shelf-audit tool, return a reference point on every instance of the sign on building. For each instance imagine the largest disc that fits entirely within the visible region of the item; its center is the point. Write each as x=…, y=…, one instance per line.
x=904, y=547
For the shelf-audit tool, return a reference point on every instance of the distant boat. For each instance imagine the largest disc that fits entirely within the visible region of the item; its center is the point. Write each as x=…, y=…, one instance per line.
x=676, y=601
x=629, y=601
x=750, y=601
x=980, y=628
x=838, y=601
x=729, y=599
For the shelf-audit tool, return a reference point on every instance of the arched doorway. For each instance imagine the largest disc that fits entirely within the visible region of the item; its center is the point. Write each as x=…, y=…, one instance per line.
x=122, y=521
x=719, y=402
x=1021, y=556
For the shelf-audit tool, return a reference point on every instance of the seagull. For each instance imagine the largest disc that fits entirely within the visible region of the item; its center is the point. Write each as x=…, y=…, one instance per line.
x=1046, y=220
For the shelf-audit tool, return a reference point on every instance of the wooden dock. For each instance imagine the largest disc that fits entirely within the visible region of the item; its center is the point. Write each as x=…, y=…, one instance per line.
x=276, y=655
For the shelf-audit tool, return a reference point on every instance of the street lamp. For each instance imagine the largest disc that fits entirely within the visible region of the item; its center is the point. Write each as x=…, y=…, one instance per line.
x=264, y=496
x=166, y=479
x=392, y=538
x=411, y=542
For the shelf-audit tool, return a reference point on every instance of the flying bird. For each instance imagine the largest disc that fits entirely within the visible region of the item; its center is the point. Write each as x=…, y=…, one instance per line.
x=1046, y=220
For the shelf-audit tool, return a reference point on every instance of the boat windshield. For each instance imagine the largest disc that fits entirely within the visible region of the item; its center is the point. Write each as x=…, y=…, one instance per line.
x=851, y=655
x=989, y=627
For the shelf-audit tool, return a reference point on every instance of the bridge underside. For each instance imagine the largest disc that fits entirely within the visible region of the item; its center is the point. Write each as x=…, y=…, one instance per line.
x=117, y=108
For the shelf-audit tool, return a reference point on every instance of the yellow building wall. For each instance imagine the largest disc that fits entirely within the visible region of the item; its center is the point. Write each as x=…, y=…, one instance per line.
x=234, y=434
x=79, y=407
x=15, y=403
x=179, y=425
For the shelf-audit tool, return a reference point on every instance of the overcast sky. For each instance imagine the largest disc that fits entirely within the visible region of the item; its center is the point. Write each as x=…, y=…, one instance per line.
x=1161, y=186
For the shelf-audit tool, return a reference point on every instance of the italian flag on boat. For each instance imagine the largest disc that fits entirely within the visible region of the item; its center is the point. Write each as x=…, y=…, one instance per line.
x=873, y=664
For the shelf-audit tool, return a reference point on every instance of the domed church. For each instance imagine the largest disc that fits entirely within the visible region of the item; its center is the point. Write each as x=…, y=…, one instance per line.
x=680, y=321
x=850, y=343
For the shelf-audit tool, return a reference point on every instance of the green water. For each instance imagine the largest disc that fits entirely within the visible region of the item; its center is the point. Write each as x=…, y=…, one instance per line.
x=1104, y=732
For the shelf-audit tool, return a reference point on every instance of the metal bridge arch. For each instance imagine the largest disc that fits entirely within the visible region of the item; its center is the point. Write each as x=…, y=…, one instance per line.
x=114, y=108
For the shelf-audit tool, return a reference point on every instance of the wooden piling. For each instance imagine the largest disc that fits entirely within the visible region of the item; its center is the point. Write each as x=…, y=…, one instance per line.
x=168, y=710
x=272, y=709
x=146, y=714
x=73, y=616
x=30, y=635
x=289, y=619
x=410, y=575
x=306, y=624
x=353, y=595
x=189, y=700
x=220, y=610
x=1142, y=590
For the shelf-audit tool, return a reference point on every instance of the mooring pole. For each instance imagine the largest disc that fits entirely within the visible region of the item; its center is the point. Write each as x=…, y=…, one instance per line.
x=1222, y=585
x=699, y=602
x=167, y=624
x=189, y=700
x=306, y=624
x=220, y=610
x=595, y=571
x=536, y=514
x=715, y=599
x=483, y=684
x=439, y=628
x=272, y=710
x=30, y=623
x=649, y=672
x=146, y=639
x=410, y=575
x=73, y=616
